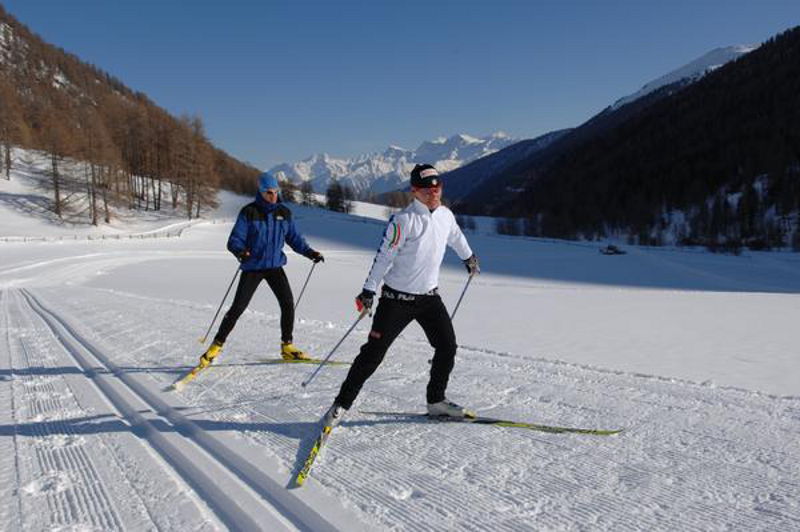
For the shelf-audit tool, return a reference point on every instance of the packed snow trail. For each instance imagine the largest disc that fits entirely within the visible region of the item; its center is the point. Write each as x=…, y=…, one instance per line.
x=551, y=333
x=203, y=463
x=692, y=457
x=71, y=449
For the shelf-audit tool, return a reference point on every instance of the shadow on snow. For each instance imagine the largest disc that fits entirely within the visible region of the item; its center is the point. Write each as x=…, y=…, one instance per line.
x=582, y=262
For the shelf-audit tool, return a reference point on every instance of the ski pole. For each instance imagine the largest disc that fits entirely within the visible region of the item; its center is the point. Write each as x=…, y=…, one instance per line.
x=469, y=280
x=205, y=336
x=305, y=383
x=296, y=303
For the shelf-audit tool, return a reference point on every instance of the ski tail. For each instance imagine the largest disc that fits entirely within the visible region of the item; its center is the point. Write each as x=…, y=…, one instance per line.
x=192, y=374
x=302, y=361
x=554, y=429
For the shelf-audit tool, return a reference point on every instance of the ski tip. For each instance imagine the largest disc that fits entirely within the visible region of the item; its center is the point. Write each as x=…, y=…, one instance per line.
x=176, y=386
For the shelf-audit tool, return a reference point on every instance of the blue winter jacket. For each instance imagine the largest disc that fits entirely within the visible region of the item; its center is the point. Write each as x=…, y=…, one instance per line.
x=263, y=228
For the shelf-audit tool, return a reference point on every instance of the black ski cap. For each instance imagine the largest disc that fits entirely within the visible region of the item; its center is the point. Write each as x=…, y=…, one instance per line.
x=425, y=176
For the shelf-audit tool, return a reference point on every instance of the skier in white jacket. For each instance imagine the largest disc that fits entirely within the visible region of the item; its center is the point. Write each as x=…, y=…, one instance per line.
x=408, y=263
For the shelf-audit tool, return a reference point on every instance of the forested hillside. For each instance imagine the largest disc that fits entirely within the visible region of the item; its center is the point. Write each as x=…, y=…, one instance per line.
x=717, y=163
x=131, y=151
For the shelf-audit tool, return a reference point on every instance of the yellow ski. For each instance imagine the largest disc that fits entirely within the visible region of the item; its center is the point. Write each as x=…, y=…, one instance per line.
x=179, y=384
x=312, y=456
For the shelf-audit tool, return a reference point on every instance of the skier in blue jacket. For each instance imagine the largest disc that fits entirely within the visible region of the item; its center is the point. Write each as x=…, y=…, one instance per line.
x=257, y=239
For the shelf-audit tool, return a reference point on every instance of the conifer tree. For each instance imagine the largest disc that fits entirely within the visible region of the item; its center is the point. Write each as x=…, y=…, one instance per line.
x=307, y=193
x=335, y=197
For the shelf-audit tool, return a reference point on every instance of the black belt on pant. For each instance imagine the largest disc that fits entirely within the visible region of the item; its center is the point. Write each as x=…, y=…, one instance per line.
x=390, y=293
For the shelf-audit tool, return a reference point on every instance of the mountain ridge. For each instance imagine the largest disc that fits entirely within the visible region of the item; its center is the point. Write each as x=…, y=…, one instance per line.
x=459, y=156
x=521, y=167
x=716, y=163
x=378, y=172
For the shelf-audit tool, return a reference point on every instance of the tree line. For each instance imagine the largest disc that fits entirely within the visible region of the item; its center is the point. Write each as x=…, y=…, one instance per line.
x=338, y=197
x=129, y=151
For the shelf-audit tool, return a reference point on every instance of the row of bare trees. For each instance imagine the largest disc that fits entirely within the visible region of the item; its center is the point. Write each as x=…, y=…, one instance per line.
x=103, y=138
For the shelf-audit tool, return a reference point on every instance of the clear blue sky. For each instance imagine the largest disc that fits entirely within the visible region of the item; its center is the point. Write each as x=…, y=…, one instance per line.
x=278, y=81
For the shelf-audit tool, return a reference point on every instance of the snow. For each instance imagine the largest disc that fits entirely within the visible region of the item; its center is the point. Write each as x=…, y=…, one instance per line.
x=27, y=208
x=693, y=354
x=691, y=71
x=60, y=80
x=6, y=38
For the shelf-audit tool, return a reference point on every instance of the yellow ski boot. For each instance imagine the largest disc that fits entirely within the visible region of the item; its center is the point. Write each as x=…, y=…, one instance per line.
x=211, y=353
x=290, y=352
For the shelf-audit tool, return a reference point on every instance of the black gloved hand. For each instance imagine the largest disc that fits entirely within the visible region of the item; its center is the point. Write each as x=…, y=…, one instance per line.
x=472, y=265
x=364, y=300
x=316, y=256
x=243, y=255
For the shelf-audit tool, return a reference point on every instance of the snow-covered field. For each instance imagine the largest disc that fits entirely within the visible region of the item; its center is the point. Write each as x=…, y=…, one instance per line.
x=694, y=355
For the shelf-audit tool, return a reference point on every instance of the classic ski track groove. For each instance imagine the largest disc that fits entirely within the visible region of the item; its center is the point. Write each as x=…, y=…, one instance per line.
x=85, y=497
x=88, y=493
x=196, y=449
x=4, y=298
x=43, y=386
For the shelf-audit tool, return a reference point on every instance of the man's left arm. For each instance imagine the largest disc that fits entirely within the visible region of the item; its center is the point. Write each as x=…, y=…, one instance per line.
x=457, y=241
x=298, y=243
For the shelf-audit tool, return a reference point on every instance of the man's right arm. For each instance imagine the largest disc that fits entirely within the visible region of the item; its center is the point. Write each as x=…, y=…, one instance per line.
x=393, y=239
x=237, y=241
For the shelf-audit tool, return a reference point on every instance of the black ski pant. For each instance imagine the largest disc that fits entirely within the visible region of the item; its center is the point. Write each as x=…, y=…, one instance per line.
x=248, y=282
x=391, y=317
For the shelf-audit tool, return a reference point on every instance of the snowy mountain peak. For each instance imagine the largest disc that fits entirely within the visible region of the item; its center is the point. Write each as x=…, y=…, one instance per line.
x=388, y=170
x=691, y=71
x=396, y=151
x=460, y=139
x=468, y=139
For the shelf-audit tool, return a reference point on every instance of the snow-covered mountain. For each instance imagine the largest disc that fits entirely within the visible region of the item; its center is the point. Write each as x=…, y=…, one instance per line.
x=388, y=170
x=382, y=172
x=690, y=72
x=496, y=176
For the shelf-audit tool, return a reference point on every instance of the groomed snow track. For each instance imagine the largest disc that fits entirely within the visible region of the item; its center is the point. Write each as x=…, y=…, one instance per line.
x=240, y=495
